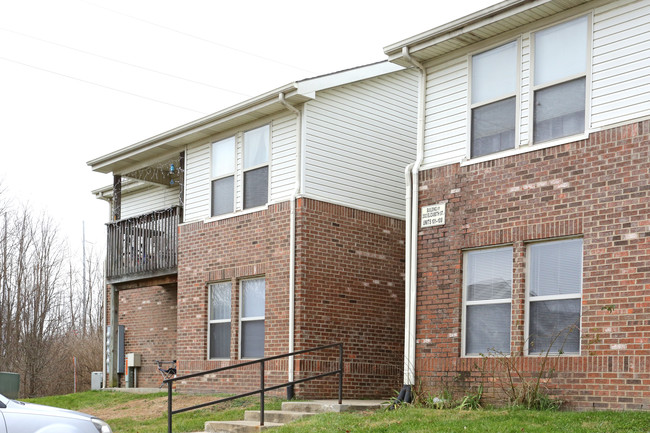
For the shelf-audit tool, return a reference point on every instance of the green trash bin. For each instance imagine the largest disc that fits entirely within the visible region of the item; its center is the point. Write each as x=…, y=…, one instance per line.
x=9, y=384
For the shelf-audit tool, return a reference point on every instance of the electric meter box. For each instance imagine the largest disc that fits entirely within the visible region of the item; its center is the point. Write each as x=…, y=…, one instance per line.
x=133, y=360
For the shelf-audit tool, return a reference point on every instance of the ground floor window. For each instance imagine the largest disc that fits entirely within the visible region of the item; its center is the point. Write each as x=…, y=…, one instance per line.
x=252, y=317
x=554, y=290
x=487, y=293
x=219, y=320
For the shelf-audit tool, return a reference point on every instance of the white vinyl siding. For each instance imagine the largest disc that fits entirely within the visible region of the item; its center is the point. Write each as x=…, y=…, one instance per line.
x=621, y=63
x=197, y=182
x=281, y=177
x=359, y=138
x=148, y=200
x=283, y=158
x=445, y=136
x=617, y=82
x=524, y=104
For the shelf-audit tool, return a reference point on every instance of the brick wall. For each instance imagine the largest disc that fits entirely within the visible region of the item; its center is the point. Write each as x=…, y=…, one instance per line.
x=597, y=189
x=149, y=318
x=349, y=288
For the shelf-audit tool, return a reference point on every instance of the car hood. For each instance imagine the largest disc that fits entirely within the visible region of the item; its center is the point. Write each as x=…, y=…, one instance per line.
x=19, y=406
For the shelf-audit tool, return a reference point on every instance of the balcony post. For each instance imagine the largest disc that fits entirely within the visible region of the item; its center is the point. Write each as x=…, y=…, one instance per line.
x=113, y=342
x=117, y=197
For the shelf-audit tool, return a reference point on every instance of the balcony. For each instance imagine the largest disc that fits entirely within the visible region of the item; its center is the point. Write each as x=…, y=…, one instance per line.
x=143, y=246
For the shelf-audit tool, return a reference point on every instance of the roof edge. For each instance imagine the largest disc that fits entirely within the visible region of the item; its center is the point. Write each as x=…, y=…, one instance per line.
x=96, y=163
x=456, y=26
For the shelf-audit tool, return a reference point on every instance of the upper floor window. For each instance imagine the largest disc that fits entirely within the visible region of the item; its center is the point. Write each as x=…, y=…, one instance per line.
x=487, y=293
x=493, y=102
x=560, y=68
x=223, y=176
x=554, y=296
x=240, y=171
x=256, y=167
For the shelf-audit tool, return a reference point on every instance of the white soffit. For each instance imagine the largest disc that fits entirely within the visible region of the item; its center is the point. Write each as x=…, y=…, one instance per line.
x=481, y=25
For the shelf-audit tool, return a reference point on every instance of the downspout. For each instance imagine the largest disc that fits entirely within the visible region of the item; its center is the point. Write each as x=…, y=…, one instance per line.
x=411, y=244
x=292, y=240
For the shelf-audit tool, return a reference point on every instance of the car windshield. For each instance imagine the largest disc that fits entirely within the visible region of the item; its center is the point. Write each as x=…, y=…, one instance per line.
x=4, y=400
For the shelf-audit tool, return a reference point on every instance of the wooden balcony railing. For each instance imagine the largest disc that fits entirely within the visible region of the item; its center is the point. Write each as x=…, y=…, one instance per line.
x=143, y=246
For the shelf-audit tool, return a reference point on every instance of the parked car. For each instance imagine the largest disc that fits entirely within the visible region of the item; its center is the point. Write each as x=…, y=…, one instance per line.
x=21, y=417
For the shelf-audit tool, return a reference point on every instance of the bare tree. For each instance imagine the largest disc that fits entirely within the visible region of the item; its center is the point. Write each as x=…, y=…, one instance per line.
x=48, y=314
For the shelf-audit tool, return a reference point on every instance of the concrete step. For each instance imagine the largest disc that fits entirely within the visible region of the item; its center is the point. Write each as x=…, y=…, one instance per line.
x=323, y=406
x=277, y=416
x=291, y=411
x=238, y=426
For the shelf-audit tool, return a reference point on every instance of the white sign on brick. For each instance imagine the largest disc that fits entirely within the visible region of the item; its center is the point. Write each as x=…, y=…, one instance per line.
x=433, y=215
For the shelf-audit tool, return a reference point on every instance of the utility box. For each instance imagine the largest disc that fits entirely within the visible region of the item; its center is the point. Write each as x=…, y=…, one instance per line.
x=133, y=359
x=9, y=384
x=96, y=380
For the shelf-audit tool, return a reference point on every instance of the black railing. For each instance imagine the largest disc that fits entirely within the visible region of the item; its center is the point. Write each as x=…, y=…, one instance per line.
x=142, y=246
x=263, y=389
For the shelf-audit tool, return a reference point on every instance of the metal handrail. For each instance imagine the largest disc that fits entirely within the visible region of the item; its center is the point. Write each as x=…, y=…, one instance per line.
x=262, y=388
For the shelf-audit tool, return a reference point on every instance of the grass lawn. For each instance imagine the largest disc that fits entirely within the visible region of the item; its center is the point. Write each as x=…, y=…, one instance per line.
x=146, y=413
x=414, y=420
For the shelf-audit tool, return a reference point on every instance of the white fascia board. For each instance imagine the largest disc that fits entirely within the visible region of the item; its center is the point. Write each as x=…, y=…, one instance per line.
x=462, y=25
x=102, y=163
x=310, y=86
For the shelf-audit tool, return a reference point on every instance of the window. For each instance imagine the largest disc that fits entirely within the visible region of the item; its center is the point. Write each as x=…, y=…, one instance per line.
x=219, y=320
x=487, y=293
x=554, y=296
x=256, y=169
x=493, y=105
x=560, y=80
x=223, y=176
x=240, y=171
x=252, y=318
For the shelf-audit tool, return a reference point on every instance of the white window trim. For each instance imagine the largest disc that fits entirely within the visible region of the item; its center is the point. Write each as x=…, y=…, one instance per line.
x=549, y=298
x=233, y=174
x=533, y=88
x=238, y=181
x=248, y=319
x=471, y=106
x=527, y=145
x=218, y=320
x=246, y=170
x=465, y=302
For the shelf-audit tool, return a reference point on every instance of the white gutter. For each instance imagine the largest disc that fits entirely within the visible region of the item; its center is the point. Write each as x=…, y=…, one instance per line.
x=292, y=230
x=412, y=218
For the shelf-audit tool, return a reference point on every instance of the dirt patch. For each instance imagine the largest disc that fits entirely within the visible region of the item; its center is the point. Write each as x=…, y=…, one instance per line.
x=146, y=408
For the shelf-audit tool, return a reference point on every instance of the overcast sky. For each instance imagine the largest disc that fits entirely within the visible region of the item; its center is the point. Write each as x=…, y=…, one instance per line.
x=82, y=78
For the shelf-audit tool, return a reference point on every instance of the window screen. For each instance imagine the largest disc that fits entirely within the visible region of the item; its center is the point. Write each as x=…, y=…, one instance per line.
x=487, y=282
x=554, y=294
x=252, y=318
x=219, y=320
x=560, y=67
x=494, y=84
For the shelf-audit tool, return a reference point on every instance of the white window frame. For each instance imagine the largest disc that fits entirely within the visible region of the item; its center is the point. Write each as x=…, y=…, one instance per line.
x=534, y=88
x=238, y=174
x=516, y=94
x=466, y=303
x=266, y=164
x=528, y=299
x=223, y=176
x=216, y=321
x=252, y=318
